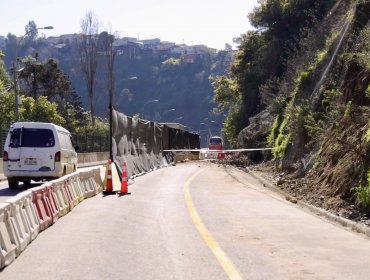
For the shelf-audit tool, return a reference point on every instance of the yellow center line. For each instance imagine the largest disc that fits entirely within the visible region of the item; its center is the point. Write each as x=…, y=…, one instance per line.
x=225, y=262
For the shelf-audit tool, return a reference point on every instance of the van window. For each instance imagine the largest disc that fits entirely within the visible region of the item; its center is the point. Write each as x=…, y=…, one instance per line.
x=65, y=141
x=32, y=137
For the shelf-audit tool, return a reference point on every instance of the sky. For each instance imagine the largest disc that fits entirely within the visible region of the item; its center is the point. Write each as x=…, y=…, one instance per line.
x=209, y=22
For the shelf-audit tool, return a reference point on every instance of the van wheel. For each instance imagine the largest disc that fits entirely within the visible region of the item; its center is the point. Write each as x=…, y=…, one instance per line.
x=27, y=182
x=13, y=184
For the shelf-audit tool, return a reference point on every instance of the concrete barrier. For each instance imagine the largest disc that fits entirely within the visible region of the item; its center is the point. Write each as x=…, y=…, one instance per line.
x=90, y=159
x=7, y=240
x=96, y=180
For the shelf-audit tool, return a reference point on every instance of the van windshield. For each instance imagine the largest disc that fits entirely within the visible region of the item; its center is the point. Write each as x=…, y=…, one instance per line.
x=32, y=137
x=215, y=140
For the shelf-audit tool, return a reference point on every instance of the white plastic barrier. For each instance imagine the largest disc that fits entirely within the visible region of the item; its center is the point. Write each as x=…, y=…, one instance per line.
x=72, y=191
x=30, y=213
x=89, y=190
x=22, y=217
x=61, y=195
x=7, y=240
x=18, y=223
x=74, y=181
x=43, y=210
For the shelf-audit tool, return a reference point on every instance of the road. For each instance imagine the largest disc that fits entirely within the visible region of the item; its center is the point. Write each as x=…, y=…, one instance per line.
x=193, y=221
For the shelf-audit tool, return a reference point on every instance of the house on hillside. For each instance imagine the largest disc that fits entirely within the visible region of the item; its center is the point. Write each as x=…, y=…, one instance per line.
x=150, y=44
x=164, y=48
x=62, y=39
x=119, y=42
x=189, y=57
x=179, y=49
x=127, y=45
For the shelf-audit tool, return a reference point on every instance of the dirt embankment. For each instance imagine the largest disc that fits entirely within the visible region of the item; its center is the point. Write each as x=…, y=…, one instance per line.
x=303, y=189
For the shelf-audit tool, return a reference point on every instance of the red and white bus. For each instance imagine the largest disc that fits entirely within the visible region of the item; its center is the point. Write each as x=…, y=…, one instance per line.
x=215, y=143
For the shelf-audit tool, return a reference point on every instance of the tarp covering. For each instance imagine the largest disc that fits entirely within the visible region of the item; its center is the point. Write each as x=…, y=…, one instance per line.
x=139, y=143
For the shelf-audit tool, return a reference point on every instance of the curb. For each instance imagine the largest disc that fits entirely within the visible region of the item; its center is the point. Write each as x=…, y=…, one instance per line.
x=360, y=228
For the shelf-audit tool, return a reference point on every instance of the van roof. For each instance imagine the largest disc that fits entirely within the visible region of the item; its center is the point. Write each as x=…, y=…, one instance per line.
x=38, y=125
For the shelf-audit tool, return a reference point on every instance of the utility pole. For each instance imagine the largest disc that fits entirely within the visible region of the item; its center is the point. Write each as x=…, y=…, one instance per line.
x=15, y=79
x=110, y=124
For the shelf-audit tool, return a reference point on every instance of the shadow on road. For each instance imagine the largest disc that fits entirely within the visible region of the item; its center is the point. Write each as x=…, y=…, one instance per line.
x=11, y=192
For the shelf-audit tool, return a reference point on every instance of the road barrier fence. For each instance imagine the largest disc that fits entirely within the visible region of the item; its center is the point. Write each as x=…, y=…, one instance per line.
x=23, y=216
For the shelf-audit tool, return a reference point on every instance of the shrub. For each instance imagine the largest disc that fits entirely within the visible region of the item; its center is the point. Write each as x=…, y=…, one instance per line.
x=274, y=131
x=362, y=194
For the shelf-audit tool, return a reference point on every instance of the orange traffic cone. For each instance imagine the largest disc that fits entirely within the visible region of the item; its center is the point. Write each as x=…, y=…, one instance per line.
x=124, y=189
x=109, y=183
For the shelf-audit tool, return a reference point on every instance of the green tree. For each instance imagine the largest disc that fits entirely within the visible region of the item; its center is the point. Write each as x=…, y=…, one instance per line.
x=6, y=97
x=44, y=79
x=41, y=110
x=262, y=55
x=31, y=30
x=7, y=114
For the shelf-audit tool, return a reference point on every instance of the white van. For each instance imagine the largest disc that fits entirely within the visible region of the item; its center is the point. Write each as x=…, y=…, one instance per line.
x=37, y=151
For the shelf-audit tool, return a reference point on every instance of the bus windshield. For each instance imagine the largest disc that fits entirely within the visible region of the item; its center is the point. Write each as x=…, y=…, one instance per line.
x=215, y=141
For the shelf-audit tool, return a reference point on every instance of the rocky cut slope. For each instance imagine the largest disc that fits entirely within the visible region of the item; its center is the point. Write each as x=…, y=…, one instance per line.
x=318, y=124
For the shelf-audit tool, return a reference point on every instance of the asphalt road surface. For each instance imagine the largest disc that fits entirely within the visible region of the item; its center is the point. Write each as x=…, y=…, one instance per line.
x=193, y=221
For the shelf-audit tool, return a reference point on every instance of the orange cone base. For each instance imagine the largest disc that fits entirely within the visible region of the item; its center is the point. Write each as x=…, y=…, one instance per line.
x=107, y=192
x=122, y=194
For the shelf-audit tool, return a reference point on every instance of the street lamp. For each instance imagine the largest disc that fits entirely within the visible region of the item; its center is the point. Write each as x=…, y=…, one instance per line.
x=131, y=78
x=209, y=130
x=15, y=69
x=148, y=102
x=179, y=118
x=167, y=111
x=218, y=125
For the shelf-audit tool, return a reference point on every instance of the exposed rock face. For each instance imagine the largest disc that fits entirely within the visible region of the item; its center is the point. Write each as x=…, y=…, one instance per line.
x=255, y=134
x=356, y=82
x=344, y=154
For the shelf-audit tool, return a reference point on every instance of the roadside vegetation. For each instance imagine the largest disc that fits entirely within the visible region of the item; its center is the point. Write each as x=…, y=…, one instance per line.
x=299, y=84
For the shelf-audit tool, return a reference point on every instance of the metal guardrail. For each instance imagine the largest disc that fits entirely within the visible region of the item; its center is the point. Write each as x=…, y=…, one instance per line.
x=91, y=143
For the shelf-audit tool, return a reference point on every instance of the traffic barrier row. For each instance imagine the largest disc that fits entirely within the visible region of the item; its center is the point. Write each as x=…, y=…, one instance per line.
x=23, y=216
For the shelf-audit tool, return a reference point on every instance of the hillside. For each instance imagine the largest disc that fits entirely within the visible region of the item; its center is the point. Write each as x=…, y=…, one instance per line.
x=159, y=81
x=315, y=113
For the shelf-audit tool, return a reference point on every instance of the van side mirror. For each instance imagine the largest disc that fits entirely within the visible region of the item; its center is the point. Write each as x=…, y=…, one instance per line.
x=77, y=148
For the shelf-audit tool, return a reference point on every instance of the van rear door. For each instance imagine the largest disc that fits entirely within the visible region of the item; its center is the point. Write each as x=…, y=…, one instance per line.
x=32, y=149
